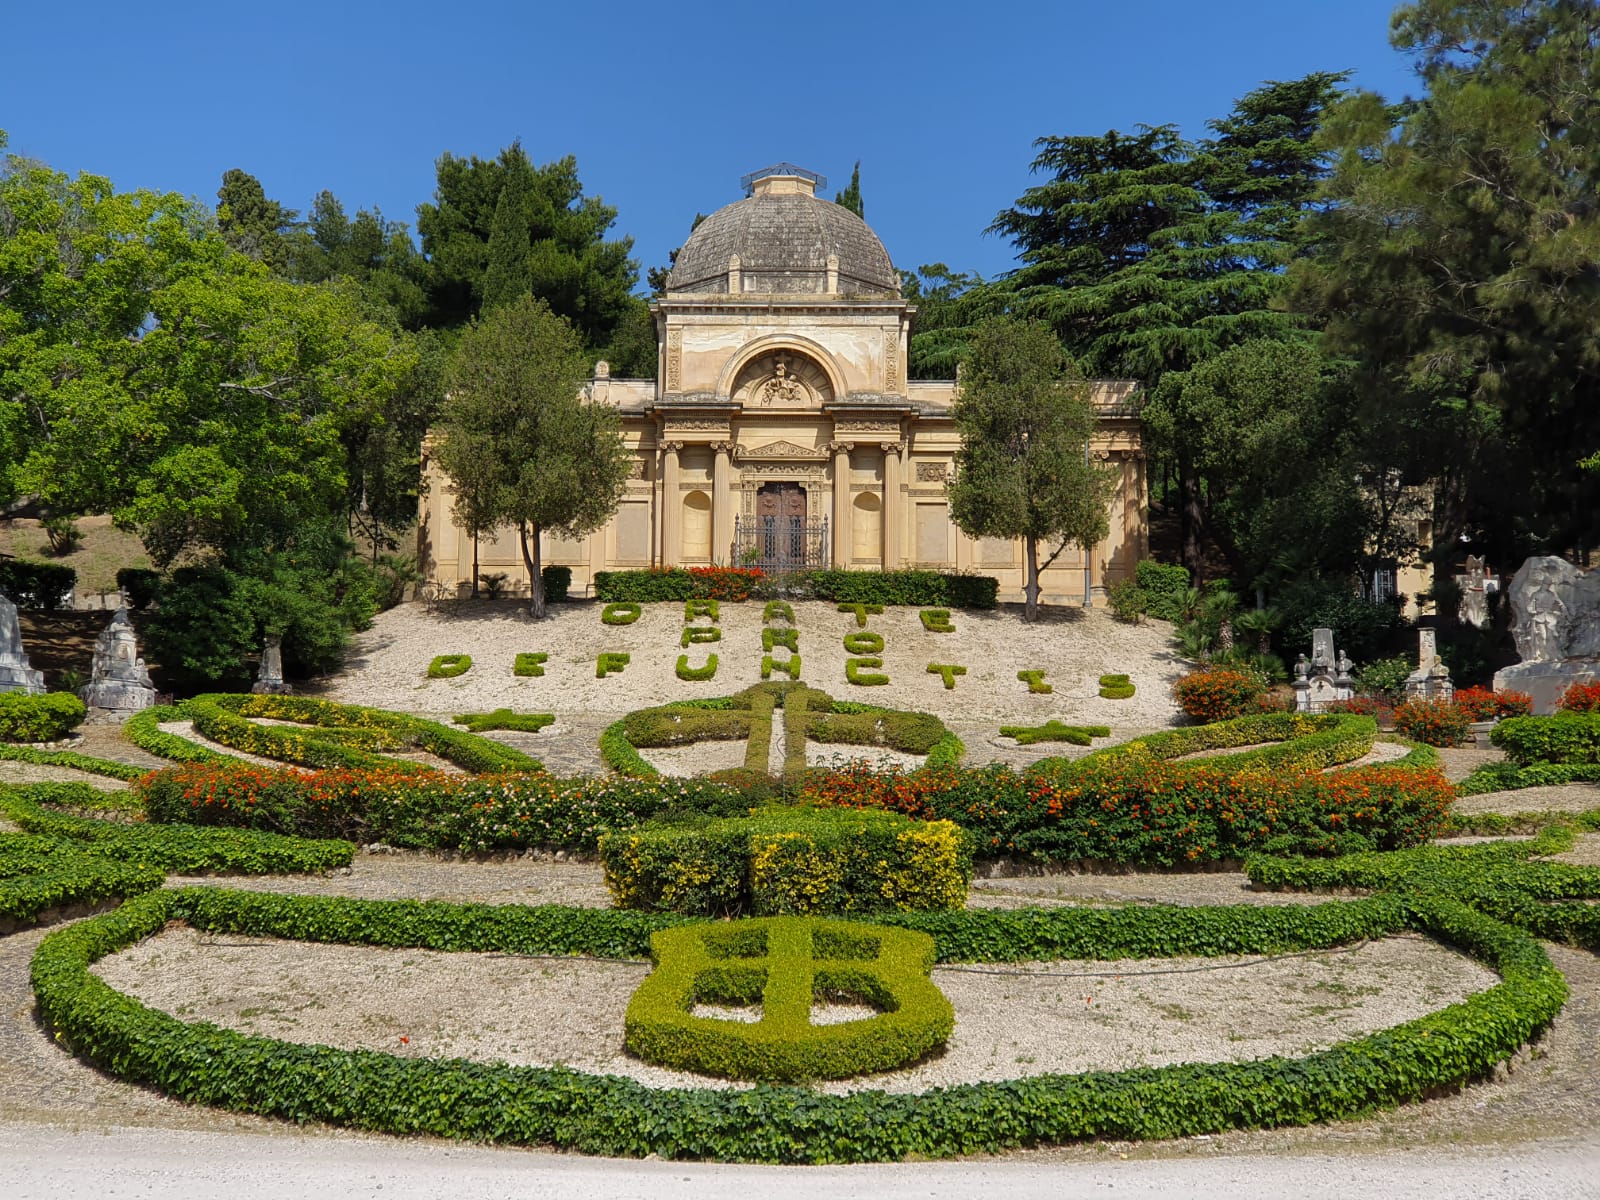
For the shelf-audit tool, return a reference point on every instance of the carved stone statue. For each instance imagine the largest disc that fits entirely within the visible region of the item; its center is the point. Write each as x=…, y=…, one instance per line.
x=1555, y=611
x=16, y=672
x=782, y=387
x=118, y=680
x=1323, y=679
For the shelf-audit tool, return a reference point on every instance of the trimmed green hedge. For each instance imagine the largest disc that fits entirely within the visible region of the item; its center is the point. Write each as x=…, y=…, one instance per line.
x=787, y=964
x=936, y=620
x=1054, y=731
x=1563, y=737
x=186, y=849
x=504, y=718
x=38, y=874
x=695, y=674
x=1116, y=687
x=448, y=666
x=947, y=672
x=611, y=662
x=1508, y=777
x=863, y=641
x=789, y=862
x=529, y=665
x=1035, y=681
x=620, y=613
x=858, y=672
x=329, y=729
x=1300, y=740
x=142, y=730
x=1499, y=879
x=200, y=1063
x=41, y=718
x=70, y=758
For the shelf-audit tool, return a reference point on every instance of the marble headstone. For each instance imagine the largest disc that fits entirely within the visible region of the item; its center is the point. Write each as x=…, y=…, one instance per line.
x=1555, y=611
x=16, y=672
x=118, y=680
x=1431, y=679
x=1325, y=678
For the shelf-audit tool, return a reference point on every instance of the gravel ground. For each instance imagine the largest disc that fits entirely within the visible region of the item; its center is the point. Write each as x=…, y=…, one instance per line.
x=21, y=772
x=388, y=663
x=1569, y=797
x=1012, y=1021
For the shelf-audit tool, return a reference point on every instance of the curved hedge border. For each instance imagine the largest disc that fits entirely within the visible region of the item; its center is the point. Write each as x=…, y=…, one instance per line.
x=186, y=849
x=72, y=760
x=221, y=717
x=1304, y=740
x=38, y=874
x=1508, y=777
x=592, y=1114
x=141, y=729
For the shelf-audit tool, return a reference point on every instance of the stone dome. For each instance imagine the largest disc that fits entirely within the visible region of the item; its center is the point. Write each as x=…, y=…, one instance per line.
x=782, y=238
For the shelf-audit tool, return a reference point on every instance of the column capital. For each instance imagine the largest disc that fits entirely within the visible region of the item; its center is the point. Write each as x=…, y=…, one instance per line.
x=892, y=447
x=724, y=447
x=671, y=447
x=841, y=447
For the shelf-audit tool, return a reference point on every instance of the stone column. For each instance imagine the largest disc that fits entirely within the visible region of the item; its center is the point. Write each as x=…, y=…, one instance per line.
x=721, y=505
x=893, y=510
x=671, y=506
x=839, y=531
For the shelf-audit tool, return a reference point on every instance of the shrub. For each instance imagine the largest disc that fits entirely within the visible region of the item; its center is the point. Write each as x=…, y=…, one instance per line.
x=139, y=586
x=921, y=588
x=693, y=609
x=862, y=612
x=39, y=874
x=624, y=613
x=677, y=583
x=1128, y=602
x=1485, y=704
x=67, y=758
x=1359, y=706
x=777, y=610
x=855, y=672
x=789, y=862
x=557, y=583
x=1218, y=695
x=41, y=718
x=529, y=666
x=785, y=964
x=1581, y=697
x=1035, y=682
x=1386, y=677
x=504, y=718
x=610, y=663
x=448, y=666
x=947, y=672
x=1363, y=628
x=36, y=584
x=1165, y=587
x=790, y=666
x=202, y=1064
x=771, y=639
x=863, y=641
x=695, y=634
x=911, y=732
x=1054, y=731
x=1563, y=737
x=694, y=674
x=1116, y=687
x=1434, y=722
x=936, y=620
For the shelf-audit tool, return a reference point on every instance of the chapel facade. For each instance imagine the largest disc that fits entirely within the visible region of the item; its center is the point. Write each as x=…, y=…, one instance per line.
x=781, y=430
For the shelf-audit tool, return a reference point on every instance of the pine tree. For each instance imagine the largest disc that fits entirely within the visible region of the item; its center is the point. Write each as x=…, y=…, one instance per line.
x=851, y=197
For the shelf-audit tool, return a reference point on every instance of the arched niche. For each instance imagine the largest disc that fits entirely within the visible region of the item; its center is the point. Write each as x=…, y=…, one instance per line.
x=807, y=363
x=696, y=526
x=866, y=528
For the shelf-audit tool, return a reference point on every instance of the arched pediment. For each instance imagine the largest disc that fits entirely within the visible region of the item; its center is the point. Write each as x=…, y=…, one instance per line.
x=781, y=373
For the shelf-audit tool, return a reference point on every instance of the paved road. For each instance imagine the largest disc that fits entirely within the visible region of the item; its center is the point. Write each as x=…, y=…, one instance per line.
x=40, y=1163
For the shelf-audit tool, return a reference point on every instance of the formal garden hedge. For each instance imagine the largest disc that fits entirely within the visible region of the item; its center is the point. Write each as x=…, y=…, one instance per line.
x=789, y=861
x=201, y=1063
x=39, y=874
x=785, y=964
x=39, y=718
x=932, y=589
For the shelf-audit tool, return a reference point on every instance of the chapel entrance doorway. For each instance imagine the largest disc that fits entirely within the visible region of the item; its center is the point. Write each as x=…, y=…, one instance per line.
x=781, y=536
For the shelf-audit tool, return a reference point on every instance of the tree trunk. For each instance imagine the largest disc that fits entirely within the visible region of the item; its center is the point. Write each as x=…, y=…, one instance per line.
x=530, y=559
x=1192, y=520
x=1030, y=586
x=474, y=564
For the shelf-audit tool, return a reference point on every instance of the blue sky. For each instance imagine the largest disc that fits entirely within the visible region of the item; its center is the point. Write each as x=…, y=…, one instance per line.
x=664, y=105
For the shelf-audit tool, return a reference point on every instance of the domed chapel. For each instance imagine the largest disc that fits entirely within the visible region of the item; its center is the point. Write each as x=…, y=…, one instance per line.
x=781, y=430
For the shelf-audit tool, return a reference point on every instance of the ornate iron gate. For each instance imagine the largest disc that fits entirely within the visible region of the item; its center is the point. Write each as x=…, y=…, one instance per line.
x=779, y=543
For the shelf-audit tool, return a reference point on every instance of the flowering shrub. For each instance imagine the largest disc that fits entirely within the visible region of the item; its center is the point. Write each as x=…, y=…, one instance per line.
x=1485, y=704
x=429, y=810
x=1581, y=697
x=1127, y=809
x=725, y=583
x=1360, y=706
x=1219, y=695
x=1436, y=722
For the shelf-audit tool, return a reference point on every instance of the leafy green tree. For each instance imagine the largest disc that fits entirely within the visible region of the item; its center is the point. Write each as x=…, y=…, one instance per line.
x=656, y=277
x=1460, y=266
x=1023, y=468
x=950, y=305
x=851, y=196
x=520, y=439
x=552, y=240
x=375, y=252
x=252, y=224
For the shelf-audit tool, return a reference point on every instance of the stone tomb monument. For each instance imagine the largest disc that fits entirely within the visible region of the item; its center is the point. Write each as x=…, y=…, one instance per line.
x=1555, y=612
x=118, y=680
x=1476, y=585
x=1431, y=679
x=16, y=672
x=270, y=680
x=1324, y=679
